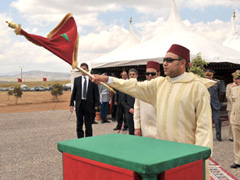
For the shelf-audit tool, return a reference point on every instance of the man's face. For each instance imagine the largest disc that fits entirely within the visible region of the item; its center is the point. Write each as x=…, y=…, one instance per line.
x=84, y=68
x=237, y=81
x=132, y=74
x=174, y=68
x=124, y=75
x=151, y=74
x=209, y=75
x=234, y=80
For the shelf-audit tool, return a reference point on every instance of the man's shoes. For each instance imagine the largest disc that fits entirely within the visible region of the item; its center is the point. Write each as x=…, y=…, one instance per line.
x=231, y=140
x=105, y=121
x=124, y=129
x=116, y=128
x=234, y=165
x=219, y=139
x=113, y=119
x=94, y=122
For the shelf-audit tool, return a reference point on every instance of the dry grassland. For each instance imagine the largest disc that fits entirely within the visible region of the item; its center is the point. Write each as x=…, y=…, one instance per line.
x=33, y=101
x=32, y=83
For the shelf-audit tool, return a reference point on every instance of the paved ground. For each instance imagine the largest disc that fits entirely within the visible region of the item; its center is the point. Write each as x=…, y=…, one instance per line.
x=28, y=144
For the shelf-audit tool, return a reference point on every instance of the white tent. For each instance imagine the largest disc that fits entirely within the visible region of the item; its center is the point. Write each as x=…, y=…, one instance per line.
x=174, y=32
x=105, y=60
x=233, y=39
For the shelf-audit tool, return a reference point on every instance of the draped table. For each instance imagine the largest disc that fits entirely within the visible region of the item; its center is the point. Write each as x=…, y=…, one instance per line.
x=121, y=156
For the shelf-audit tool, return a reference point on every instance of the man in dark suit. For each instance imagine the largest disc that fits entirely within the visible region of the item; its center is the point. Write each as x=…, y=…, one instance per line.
x=114, y=103
x=86, y=96
x=121, y=115
x=128, y=104
x=215, y=92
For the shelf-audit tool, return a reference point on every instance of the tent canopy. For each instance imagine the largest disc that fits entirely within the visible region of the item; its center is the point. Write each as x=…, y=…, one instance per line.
x=174, y=32
x=105, y=60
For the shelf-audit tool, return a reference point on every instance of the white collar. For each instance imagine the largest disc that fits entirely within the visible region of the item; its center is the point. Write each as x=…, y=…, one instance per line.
x=178, y=77
x=85, y=77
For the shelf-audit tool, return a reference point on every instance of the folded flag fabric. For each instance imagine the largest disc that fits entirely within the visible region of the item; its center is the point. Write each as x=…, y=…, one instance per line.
x=61, y=41
x=19, y=80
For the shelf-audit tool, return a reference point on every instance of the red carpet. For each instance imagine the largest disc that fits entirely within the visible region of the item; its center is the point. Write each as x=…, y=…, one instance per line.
x=218, y=173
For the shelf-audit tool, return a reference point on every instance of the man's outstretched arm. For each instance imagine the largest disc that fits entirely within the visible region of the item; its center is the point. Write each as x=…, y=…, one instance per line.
x=145, y=91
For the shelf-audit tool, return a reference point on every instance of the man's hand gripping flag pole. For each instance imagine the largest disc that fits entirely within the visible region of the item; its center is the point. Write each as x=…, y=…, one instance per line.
x=61, y=41
x=91, y=76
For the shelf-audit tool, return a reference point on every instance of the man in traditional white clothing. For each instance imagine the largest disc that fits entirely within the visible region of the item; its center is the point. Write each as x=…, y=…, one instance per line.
x=229, y=104
x=235, y=119
x=181, y=100
x=145, y=122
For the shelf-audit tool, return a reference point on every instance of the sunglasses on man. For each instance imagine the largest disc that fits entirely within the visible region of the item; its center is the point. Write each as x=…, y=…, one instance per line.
x=209, y=74
x=152, y=73
x=170, y=60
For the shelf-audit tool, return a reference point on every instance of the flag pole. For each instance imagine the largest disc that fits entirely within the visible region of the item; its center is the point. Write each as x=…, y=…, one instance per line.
x=91, y=76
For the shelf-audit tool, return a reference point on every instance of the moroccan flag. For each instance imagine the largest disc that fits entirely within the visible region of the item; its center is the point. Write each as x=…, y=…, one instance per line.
x=61, y=41
x=44, y=79
x=19, y=80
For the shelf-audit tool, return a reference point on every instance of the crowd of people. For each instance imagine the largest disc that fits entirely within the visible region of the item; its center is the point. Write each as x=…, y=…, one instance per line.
x=178, y=107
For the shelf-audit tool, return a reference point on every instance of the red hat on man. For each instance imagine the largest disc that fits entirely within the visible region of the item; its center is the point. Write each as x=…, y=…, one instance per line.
x=154, y=65
x=180, y=51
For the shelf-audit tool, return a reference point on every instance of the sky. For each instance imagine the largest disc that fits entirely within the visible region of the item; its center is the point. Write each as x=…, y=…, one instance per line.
x=103, y=25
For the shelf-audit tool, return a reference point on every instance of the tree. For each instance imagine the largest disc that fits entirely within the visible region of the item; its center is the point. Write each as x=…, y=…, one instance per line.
x=17, y=91
x=10, y=93
x=57, y=90
x=197, y=66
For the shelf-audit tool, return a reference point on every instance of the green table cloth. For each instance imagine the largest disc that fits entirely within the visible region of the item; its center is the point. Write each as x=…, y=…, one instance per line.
x=146, y=156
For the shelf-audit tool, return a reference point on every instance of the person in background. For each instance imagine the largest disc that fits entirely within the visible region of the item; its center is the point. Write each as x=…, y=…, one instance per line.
x=128, y=103
x=86, y=97
x=235, y=119
x=181, y=100
x=144, y=113
x=215, y=93
x=121, y=114
x=229, y=104
x=94, y=116
x=114, y=103
x=105, y=100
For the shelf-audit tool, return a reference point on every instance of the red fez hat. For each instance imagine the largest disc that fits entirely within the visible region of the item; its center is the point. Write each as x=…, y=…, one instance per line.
x=154, y=65
x=180, y=51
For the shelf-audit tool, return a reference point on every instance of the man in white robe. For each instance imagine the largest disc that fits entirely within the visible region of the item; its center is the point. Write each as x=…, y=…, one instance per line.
x=181, y=100
x=229, y=104
x=145, y=122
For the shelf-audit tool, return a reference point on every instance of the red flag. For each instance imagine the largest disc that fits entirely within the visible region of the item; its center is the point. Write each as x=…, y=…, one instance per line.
x=61, y=41
x=44, y=79
x=19, y=80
